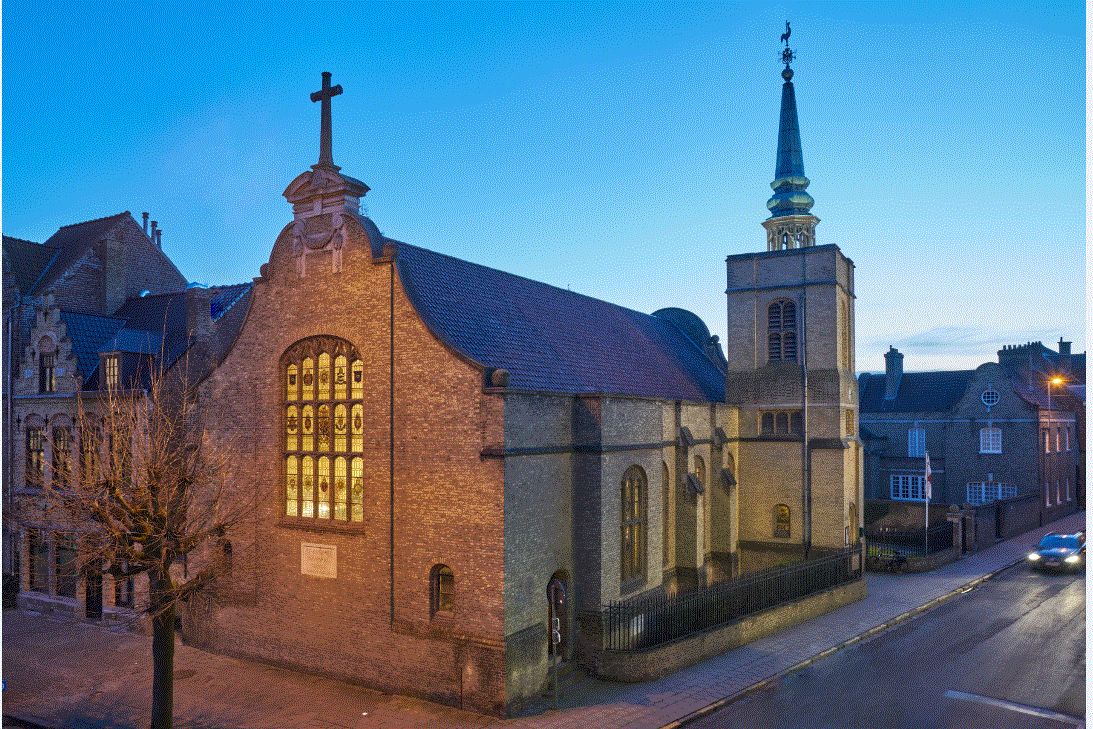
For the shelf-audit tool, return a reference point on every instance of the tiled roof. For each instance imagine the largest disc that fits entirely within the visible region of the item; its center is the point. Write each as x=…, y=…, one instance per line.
x=553, y=340
x=27, y=261
x=88, y=332
x=72, y=242
x=225, y=297
x=918, y=392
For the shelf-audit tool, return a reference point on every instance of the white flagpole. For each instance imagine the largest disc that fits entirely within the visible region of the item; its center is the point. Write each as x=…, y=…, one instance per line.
x=927, y=491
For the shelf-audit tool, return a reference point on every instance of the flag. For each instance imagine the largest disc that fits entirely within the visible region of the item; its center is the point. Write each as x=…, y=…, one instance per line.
x=928, y=472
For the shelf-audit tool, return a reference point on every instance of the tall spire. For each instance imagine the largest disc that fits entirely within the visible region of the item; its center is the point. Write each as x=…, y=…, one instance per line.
x=790, y=200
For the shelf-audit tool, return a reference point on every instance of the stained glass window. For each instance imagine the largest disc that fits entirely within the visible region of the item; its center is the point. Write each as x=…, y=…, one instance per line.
x=323, y=422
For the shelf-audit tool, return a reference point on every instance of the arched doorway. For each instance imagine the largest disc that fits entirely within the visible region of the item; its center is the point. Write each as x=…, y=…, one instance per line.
x=564, y=651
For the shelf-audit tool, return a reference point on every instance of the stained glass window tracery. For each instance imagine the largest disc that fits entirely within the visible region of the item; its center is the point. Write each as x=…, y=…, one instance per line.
x=323, y=424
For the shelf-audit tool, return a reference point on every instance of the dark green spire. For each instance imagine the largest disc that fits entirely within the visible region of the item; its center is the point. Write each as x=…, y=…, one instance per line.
x=790, y=182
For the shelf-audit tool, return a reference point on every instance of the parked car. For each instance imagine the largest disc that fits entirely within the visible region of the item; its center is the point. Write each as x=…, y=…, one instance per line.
x=1059, y=552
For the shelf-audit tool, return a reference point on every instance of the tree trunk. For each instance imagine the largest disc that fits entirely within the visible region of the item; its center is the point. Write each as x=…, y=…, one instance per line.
x=163, y=657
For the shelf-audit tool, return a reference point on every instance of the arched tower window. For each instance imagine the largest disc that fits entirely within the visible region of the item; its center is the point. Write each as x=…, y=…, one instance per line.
x=323, y=429
x=782, y=331
x=633, y=523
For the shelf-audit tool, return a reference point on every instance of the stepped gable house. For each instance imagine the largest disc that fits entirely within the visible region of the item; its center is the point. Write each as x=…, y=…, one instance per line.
x=97, y=306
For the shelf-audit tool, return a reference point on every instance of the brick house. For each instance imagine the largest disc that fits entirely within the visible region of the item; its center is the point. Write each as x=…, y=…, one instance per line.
x=1001, y=431
x=98, y=305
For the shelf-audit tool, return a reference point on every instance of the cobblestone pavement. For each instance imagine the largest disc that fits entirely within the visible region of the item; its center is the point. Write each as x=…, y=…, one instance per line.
x=66, y=673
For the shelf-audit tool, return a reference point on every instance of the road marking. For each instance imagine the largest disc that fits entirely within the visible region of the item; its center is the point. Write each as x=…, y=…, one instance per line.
x=1010, y=706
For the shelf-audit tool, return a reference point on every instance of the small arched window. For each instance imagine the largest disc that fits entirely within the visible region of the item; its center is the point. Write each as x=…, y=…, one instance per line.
x=782, y=331
x=442, y=589
x=781, y=521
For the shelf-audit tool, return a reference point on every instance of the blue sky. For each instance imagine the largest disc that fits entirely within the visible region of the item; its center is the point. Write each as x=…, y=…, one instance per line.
x=620, y=150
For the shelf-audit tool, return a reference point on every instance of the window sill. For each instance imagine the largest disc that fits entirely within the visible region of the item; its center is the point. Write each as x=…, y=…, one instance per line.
x=633, y=585
x=321, y=525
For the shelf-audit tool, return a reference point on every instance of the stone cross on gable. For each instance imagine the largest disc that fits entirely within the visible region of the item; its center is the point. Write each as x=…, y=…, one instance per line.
x=326, y=159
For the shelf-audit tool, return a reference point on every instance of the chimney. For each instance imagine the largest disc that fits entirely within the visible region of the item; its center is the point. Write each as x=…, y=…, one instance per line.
x=145, y=223
x=159, y=238
x=893, y=371
x=1064, y=347
x=155, y=234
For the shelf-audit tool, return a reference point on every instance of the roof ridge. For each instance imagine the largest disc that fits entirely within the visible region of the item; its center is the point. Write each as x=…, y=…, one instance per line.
x=95, y=220
x=24, y=240
x=526, y=278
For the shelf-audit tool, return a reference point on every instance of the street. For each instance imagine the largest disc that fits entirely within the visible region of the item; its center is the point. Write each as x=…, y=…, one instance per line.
x=1009, y=654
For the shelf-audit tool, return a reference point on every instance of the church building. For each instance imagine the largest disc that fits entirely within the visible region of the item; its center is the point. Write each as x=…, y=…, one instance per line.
x=433, y=442
x=436, y=441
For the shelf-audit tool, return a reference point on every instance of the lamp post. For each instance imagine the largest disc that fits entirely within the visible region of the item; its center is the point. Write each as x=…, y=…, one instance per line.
x=1052, y=381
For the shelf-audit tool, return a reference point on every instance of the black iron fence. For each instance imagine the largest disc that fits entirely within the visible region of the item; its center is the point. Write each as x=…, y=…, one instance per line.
x=914, y=542
x=646, y=622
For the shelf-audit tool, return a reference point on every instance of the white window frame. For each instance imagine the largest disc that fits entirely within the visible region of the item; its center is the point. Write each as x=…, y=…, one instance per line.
x=907, y=487
x=916, y=442
x=990, y=439
x=984, y=492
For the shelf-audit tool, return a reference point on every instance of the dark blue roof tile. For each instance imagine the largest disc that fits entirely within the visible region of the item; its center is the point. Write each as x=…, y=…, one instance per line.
x=553, y=340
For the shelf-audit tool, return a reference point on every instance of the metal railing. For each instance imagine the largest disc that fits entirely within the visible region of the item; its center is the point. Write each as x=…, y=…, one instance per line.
x=642, y=623
x=914, y=542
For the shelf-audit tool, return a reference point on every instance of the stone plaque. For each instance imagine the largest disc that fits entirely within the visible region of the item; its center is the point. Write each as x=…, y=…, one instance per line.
x=319, y=560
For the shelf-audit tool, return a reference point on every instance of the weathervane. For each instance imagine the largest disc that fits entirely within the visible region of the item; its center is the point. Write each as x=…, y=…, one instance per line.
x=787, y=54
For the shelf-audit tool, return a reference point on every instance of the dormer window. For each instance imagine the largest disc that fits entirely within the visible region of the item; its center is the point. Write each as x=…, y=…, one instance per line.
x=111, y=371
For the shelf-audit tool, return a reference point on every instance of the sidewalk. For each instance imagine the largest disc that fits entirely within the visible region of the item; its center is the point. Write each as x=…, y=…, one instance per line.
x=108, y=684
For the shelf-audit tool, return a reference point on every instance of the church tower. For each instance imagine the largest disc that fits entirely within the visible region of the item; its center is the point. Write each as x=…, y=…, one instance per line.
x=790, y=354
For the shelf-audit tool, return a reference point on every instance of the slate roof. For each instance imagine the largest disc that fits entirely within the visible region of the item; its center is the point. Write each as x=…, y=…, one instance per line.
x=72, y=242
x=144, y=325
x=550, y=339
x=88, y=332
x=27, y=260
x=918, y=392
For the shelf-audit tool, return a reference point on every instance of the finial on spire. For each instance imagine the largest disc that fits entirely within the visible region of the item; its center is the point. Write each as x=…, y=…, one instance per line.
x=787, y=54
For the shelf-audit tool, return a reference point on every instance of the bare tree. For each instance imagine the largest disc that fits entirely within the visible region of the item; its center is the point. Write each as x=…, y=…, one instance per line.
x=154, y=489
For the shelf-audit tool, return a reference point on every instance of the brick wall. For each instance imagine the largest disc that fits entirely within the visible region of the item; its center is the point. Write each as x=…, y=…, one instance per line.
x=448, y=506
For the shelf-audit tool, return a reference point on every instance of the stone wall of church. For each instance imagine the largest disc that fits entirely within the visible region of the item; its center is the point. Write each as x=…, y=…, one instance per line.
x=346, y=616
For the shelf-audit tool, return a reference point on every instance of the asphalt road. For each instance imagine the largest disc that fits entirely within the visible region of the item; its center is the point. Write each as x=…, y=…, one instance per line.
x=1009, y=654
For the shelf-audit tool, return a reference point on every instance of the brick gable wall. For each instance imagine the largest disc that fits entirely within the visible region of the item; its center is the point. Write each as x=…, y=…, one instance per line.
x=448, y=504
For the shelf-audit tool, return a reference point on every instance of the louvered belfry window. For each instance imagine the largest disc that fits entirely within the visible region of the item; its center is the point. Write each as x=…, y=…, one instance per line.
x=782, y=331
x=323, y=426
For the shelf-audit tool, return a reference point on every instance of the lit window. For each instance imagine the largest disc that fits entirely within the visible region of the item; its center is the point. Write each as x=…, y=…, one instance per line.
x=781, y=521
x=633, y=524
x=90, y=443
x=916, y=442
x=990, y=440
x=782, y=331
x=39, y=562
x=1047, y=441
x=666, y=508
x=323, y=431
x=1066, y=437
x=35, y=458
x=1058, y=436
x=111, y=375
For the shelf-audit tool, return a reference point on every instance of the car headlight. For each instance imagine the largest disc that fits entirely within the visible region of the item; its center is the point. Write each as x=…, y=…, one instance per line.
x=1074, y=558
x=1034, y=557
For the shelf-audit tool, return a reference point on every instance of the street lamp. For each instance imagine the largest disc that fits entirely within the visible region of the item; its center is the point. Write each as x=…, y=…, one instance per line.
x=1052, y=381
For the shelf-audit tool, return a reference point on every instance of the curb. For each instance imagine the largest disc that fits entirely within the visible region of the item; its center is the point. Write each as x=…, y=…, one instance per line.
x=771, y=680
